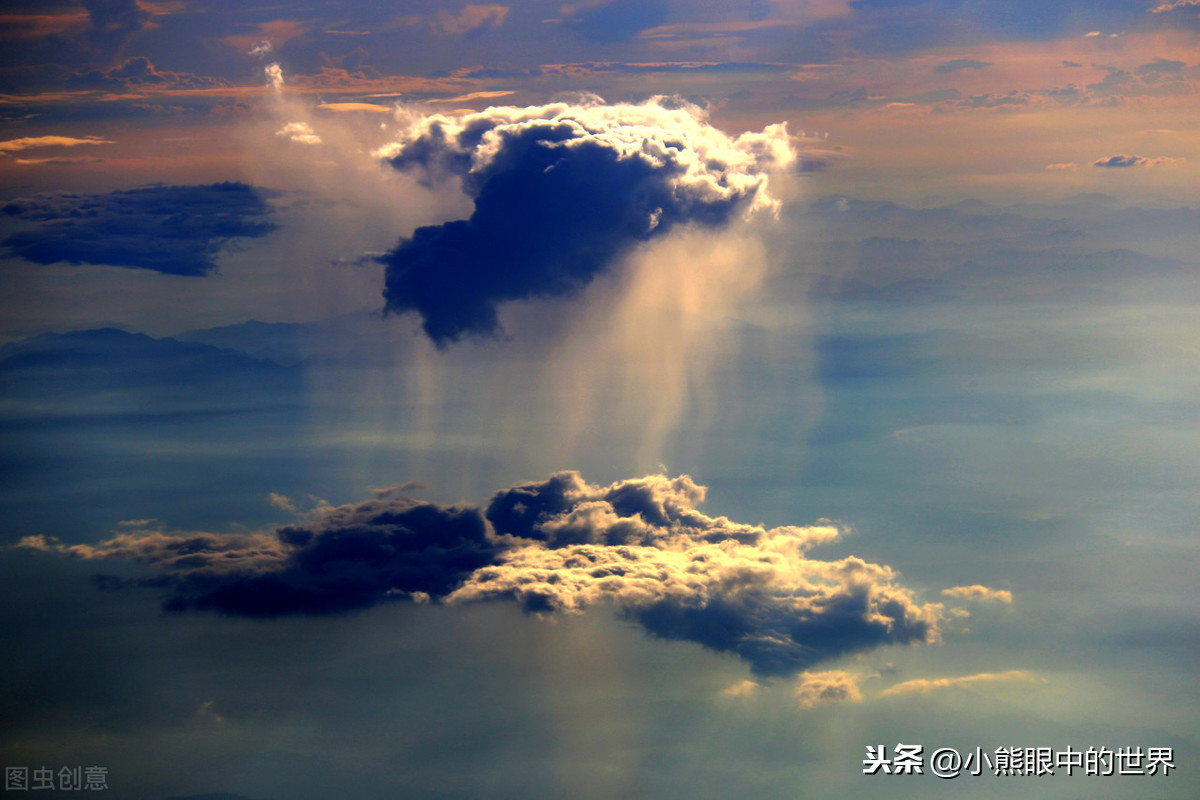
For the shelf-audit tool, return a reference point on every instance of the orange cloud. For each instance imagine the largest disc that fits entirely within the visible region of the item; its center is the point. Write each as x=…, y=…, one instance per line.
x=14, y=145
x=977, y=592
x=925, y=685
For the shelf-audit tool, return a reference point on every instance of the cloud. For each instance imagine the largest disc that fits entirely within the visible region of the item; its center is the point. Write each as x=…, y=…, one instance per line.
x=925, y=685
x=471, y=19
x=178, y=230
x=370, y=108
x=1123, y=160
x=561, y=192
x=139, y=74
x=300, y=132
x=468, y=97
x=977, y=592
x=614, y=20
x=559, y=545
x=1062, y=166
x=113, y=23
x=274, y=74
x=281, y=501
x=818, y=688
x=746, y=688
x=1160, y=68
x=954, y=65
x=28, y=142
x=1174, y=6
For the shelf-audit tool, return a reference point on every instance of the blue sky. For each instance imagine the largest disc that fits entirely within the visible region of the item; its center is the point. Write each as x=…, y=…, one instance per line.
x=597, y=399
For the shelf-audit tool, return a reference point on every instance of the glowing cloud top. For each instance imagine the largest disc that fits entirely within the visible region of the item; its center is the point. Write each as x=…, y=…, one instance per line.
x=561, y=191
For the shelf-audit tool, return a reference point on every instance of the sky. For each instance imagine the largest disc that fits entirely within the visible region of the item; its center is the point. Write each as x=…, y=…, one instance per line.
x=651, y=399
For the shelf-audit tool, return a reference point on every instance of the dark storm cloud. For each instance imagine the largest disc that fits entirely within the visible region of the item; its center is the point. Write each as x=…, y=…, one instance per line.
x=561, y=191
x=178, y=230
x=559, y=545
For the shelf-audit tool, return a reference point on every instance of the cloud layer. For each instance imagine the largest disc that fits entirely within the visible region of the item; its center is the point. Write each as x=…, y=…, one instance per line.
x=178, y=230
x=559, y=545
x=560, y=192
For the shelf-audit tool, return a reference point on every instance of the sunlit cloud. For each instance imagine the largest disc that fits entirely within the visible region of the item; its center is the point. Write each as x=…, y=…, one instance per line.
x=466, y=98
x=558, y=546
x=978, y=592
x=29, y=142
x=1174, y=6
x=370, y=108
x=746, y=688
x=274, y=75
x=639, y=171
x=300, y=132
x=923, y=685
x=819, y=688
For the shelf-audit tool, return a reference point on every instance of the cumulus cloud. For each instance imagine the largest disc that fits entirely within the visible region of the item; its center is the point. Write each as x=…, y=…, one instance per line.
x=923, y=685
x=977, y=592
x=818, y=688
x=274, y=74
x=1123, y=160
x=300, y=132
x=560, y=193
x=559, y=545
x=179, y=230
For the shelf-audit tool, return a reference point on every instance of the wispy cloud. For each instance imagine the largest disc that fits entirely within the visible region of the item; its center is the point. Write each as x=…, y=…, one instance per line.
x=957, y=64
x=923, y=685
x=471, y=19
x=1174, y=6
x=978, y=592
x=29, y=142
x=1124, y=160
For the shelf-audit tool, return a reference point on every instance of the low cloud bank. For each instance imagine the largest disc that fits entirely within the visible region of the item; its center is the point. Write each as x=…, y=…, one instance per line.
x=177, y=230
